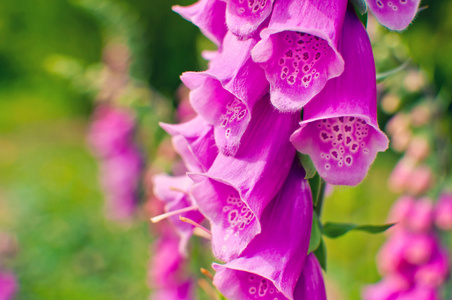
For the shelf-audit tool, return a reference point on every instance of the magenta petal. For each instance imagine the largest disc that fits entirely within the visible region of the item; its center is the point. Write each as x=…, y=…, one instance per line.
x=194, y=142
x=248, y=181
x=8, y=286
x=174, y=191
x=243, y=17
x=394, y=14
x=434, y=273
x=208, y=15
x=339, y=129
x=419, y=293
x=387, y=289
x=222, y=94
x=182, y=291
x=310, y=285
x=298, y=50
x=166, y=262
x=271, y=264
x=443, y=211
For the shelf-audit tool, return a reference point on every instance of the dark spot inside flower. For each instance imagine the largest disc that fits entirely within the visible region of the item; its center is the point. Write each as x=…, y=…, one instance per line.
x=354, y=146
x=291, y=79
x=334, y=153
x=347, y=128
x=336, y=128
x=300, y=42
x=348, y=160
x=324, y=136
x=306, y=56
x=306, y=68
x=341, y=119
x=352, y=118
x=281, y=61
x=289, y=53
x=348, y=140
x=317, y=55
x=339, y=137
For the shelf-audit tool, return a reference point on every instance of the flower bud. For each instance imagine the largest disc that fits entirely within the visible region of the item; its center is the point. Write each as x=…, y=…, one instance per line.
x=418, y=149
x=421, y=215
x=419, y=248
x=400, y=176
x=443, y=212
x=420, y=180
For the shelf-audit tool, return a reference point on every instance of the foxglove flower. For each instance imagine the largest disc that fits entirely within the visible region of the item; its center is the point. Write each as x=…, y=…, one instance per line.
x=394, y=14
x=194, y=142
x=174, y=191
x=298, y=50
x=166, y=262
x=225, y=94
x=119, y=177
x=208, y=15
x=244, y=17
x=165, y=273
x=273, y=261
x=235, y=191
x=339, y=130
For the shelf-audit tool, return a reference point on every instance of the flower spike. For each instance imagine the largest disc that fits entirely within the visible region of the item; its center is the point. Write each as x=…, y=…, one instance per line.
x=177, y=204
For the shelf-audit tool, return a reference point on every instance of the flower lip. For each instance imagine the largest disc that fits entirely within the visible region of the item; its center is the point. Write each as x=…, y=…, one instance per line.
x=277, y=253
x=208, y=15
x=241, y=22
x=396, y=16
x=229, y=218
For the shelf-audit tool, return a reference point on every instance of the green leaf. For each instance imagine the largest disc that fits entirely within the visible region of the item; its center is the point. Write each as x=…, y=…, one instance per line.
x=360, y=6
x=384, y=75
x=320, y=253
x=316, y=234
x=334, y=230
x=314, y=184
x=221, y=297
x=363, y=19
x=308, y=165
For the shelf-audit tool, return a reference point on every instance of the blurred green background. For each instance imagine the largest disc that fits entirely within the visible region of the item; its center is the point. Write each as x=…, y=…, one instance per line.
x=50, y=56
